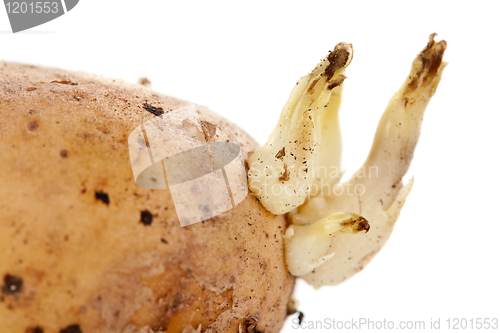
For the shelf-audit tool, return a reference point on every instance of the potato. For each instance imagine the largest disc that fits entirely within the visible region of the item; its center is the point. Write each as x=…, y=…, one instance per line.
x=84, y=249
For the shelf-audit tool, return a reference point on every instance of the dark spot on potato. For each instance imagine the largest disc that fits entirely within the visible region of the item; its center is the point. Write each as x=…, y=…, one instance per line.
x=102, y=196
x=32, y=126
x=163, y=240
x=37, y=329
x=146, y=217
x=75, y=328
x=231, y=279
x=31, y=89
x=63, y=153
x=157, y=111
x=12, y=284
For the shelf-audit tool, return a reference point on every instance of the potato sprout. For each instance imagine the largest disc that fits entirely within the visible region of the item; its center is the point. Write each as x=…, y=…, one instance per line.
x=319, y=247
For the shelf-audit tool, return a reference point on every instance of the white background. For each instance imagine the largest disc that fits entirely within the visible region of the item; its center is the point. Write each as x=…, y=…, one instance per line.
x=242, y=60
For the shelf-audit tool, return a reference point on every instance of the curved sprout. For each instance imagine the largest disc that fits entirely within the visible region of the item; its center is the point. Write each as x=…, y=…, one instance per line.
x=305, y=141
x=313, y=252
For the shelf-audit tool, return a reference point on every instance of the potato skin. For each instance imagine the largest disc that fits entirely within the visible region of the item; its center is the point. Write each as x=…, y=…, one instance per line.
x=75, y=256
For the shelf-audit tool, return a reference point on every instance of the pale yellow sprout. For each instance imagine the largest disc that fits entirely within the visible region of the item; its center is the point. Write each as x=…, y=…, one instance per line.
x=376, y=191
x=306, y=141
x=309, y=246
